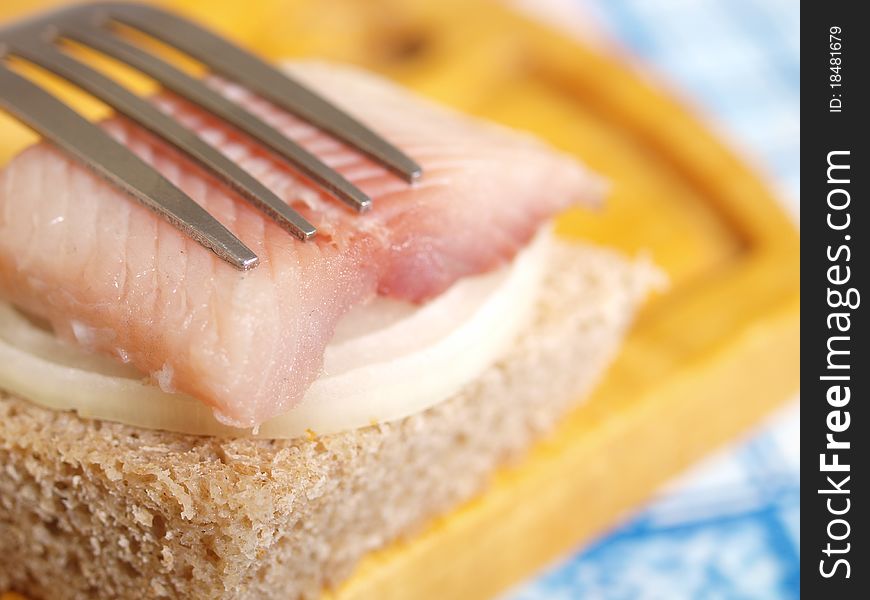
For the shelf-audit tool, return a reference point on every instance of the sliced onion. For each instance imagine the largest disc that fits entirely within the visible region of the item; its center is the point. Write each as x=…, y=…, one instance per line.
x=389, y=360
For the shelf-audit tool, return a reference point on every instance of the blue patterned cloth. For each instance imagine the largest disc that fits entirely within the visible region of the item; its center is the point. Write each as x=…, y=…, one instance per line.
x=730, y=529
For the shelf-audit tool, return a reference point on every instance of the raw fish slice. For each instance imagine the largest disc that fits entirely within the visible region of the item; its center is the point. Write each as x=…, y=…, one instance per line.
x=115, y=278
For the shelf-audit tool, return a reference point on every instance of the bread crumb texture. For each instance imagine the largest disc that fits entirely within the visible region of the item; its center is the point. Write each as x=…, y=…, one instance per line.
x=92, y=509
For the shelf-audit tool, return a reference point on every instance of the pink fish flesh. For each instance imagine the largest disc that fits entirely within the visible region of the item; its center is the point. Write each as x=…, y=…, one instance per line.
x=110, y=275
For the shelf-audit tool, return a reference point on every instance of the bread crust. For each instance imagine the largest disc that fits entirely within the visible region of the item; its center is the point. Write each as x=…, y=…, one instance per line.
x=95, y=509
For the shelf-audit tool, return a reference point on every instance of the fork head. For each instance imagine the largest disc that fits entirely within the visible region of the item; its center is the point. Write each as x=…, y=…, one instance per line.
x=37, y=41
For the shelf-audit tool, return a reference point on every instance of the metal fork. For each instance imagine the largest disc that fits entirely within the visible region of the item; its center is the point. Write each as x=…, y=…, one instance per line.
x=38, y=41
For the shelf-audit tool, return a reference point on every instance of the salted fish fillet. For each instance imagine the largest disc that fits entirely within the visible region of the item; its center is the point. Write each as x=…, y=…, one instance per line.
x=112, y=276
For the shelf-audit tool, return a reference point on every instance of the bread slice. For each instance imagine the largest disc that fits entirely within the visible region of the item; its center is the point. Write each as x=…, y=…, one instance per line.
x=95, y=509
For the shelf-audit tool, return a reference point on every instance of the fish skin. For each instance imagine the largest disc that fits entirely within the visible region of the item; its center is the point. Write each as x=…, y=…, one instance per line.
x=112, y=276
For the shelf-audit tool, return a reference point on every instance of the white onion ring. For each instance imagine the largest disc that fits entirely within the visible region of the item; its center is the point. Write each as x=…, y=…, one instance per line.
x=411, y=360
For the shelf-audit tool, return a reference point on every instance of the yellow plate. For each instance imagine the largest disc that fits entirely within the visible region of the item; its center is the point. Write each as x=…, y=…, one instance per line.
x=706, y=360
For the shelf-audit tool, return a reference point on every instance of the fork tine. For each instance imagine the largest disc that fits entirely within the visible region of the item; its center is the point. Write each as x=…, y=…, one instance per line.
x=198, y=93
x=91, y=146
x=144, y=113
x=255, y=74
